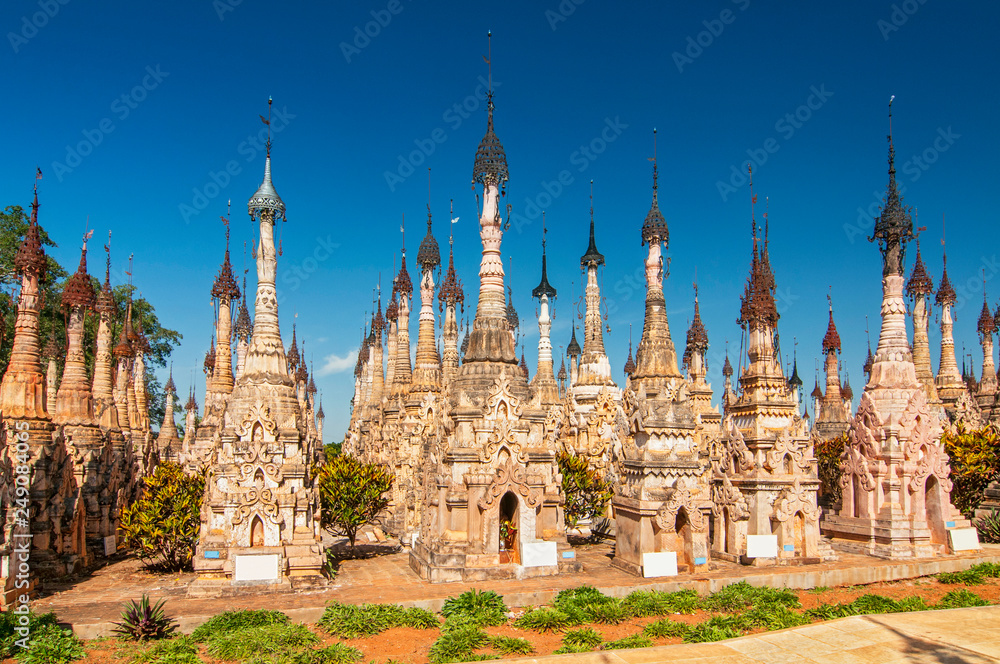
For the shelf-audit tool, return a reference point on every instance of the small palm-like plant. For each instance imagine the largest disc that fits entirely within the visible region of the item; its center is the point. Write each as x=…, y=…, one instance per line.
x=142, y=621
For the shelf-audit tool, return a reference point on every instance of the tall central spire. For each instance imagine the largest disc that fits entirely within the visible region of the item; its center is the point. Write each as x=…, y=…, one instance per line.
x=544, y=382
x=491, y=346
x=266, y=360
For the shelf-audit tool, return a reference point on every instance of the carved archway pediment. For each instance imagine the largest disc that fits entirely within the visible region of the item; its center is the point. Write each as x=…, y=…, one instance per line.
x=509, y=477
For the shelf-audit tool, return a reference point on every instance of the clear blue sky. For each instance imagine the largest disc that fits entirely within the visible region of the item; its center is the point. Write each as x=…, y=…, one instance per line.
x=352, y=110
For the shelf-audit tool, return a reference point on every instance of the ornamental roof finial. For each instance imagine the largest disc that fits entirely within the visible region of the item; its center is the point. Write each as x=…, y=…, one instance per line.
x=266, y=199
x=593, y=256
x=451, y=288
x=894, y=225
x=428, y=256
x=490, y=166
x=224, y=287
x=79, y=292
x=544, y=287
x=946, y=292
x=629, y=367
x=831, y=340
x=654, y=228
x=30, y=257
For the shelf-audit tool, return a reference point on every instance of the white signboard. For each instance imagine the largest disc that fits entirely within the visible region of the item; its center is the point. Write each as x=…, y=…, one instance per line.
x=963, y=539
x=258, y=567
x=762, y=546
x=659, y=564
x=110, y=545
x=538, y=554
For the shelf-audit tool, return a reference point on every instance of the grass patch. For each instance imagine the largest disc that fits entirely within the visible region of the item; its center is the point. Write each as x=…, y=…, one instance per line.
x=634, y=641
x=740, y=595
x=608, y=613
x=957, y=599
x=545, y=619
x=974, y=576
x=181, y=650
x=257, y=643
x=460, y=636
x=351, y=620
x=818, y=590
x=585, y=637
x=229, y=621
x=511, y=645
x=717, y=628
x=10, y=620
x=51, y=644
x=336, y=653
x=486, y=608
x=665, y=629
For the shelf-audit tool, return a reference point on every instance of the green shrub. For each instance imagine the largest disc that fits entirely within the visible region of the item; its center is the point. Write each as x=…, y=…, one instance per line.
x=181, y=650
x=50, y=644
x=665, y=629
x=608, y=613
x=831, y=611
x=352, y=620
x=510, y=645
x=587, y=493
x=460, y=636
x=486, y=608
x=230, y=621
x=259, y=642
x=957, y=599
x=975, y=462
x=162, y=525
x=581, y=596
x=646, y=603
x=770, y=616
x=545, y=619
x=10, y=621
x=352, y=494
x=583, y=637
x=912, y=603
x=871, y=603
x=634, y=641
x=682, y=601
x=566, y=649
x=827, y=453
x=717, y=628
x=336, y=653
x=740, y=595
x=142, y=621
x=969, y=577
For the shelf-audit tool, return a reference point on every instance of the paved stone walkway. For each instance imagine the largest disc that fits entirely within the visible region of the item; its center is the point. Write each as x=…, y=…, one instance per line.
x=91, y=603
x=954, y=636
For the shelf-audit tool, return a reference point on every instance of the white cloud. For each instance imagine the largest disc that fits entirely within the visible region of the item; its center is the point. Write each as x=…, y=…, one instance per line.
x=334, y=364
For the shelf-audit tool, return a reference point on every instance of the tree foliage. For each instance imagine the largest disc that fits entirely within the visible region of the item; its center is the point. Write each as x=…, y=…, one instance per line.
x=975, y=462
x=162, y=525
x=352, y=494
x=587, y=493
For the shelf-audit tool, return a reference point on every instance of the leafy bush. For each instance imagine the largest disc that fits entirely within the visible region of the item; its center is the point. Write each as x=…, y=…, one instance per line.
x=350, y=621
x=988, y=526
x=50, y=644
x=352, y=494
x=771, y=616
x=336, y=653
x=229, y=621
x=162, y=525
x=912, y=603
x=740, y=595
x=717, y=628
x=510, y=645
x=142, y=620
x=587, y=493
x=566, y=649
x=969, y=577
x=870, y=603
x=259, y=642
x=460, y=636
x=583, y=637
x=181, y=650
x=608, y=613
x=867, y=604
x=957, y=599
x=545, y=619
x=9, y=621
x=486, y=608
x=975, y=462
x=665, y=629
x=634, y=641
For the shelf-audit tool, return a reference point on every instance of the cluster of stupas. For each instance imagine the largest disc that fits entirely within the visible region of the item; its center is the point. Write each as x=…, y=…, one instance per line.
x=473, y=438
x=77, y=443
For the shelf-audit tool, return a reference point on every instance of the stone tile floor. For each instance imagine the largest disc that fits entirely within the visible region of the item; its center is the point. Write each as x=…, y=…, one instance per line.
x=955, y=636
x=91, y=602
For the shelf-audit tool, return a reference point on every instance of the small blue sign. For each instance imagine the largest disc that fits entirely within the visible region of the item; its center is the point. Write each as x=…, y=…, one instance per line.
x=211, y=554
x=569, y=554
x=789, y=547
x=949, y=524
x=700, y=561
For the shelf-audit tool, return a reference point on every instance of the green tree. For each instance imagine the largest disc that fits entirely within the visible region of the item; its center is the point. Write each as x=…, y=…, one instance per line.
x=162, y=525
x=352, y=494
x=587, y=494
x=827, y=454
x=975, y=462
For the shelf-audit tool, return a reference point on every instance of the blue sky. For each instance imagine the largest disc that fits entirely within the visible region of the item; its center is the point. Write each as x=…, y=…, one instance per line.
x=143, y=117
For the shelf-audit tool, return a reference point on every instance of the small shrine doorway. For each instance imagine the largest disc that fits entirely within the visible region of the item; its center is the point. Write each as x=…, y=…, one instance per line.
x=256, y=532
x=933, y=512
x=509, y=522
